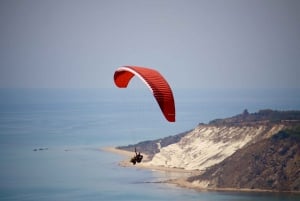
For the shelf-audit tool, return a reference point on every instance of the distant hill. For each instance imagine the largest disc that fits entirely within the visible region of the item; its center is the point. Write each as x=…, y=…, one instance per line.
x=262, y=116
x=250, y=150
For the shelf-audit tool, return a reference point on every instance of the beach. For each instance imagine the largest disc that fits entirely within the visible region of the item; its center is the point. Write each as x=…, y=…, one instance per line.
x=180, y=179
x=144, y=164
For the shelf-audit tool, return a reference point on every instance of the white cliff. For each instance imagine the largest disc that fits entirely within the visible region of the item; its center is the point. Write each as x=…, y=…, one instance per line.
x=207, y=145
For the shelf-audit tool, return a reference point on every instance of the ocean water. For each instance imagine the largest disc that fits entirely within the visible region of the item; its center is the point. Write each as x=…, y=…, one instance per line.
x=51, y=139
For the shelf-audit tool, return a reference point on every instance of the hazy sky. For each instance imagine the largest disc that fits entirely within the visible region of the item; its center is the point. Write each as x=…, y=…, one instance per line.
x=199, y=44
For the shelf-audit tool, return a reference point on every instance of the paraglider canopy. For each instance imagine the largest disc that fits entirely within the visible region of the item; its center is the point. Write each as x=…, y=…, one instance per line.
x=155, y=82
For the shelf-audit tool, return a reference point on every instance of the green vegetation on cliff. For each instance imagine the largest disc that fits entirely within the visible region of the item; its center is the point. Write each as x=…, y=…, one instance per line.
x=262, y=116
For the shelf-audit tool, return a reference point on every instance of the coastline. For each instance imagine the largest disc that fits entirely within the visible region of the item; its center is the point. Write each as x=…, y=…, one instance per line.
x=117, y=151
x=180, y=181
x=143, y=164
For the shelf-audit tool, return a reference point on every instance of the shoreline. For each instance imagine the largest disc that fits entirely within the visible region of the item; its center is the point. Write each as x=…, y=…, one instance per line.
x=144, y=165
x=180, y=181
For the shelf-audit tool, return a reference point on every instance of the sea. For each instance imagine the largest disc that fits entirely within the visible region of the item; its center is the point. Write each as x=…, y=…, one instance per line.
x=51, y=141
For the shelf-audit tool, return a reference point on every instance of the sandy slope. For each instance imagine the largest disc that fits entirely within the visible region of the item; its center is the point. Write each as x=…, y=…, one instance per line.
x=208, y=145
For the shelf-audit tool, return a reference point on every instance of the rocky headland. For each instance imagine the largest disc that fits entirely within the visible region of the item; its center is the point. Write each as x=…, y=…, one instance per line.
x=250, y=151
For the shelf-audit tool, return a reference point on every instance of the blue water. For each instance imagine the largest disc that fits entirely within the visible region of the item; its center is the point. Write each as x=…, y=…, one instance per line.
x=71, y=125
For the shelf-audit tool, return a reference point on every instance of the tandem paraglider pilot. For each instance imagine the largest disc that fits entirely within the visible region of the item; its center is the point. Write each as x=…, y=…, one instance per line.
x=137, y=158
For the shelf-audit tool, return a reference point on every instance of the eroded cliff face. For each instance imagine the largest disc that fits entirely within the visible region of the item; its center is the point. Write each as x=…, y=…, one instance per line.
x=208, y=145
x=270, y=164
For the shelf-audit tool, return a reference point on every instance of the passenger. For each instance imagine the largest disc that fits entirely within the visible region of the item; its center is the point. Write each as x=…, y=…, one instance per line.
x=137, y=158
